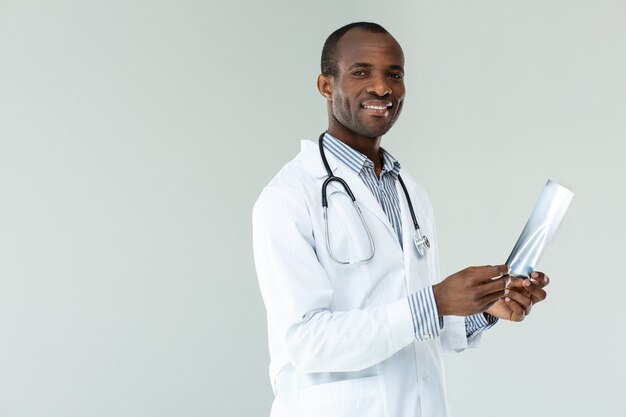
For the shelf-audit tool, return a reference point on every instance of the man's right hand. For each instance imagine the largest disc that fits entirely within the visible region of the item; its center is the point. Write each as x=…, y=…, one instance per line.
x=470, y=291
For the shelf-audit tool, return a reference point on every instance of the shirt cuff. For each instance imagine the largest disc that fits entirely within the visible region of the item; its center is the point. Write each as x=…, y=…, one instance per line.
x=478, y=323
x=424, y=313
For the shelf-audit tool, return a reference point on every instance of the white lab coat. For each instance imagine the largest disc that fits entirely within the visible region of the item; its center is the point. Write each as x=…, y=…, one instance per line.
x=341, y=337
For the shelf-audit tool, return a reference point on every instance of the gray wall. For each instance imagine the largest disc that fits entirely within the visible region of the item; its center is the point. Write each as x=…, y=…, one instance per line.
x=127, y=285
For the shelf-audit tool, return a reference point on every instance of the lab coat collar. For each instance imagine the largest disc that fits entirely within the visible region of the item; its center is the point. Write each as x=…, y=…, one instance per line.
x=313, y=161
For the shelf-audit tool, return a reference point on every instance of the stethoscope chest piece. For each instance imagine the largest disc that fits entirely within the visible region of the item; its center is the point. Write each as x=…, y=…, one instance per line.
x=421, y=242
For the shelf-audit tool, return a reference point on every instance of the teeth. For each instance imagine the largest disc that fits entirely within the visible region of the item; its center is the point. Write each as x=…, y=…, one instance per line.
x=375, y=107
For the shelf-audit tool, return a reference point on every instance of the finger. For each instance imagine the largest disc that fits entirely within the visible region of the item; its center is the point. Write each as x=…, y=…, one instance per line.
x=500, y=271
x=488, y=303
x=488, y=272
x=535, y=291
x=492, y=291
x=517, y=283
x=489, y=300
x=517, y=311
x=492, y=287
x=505, y=278
x=524, y=300
x=539, y=278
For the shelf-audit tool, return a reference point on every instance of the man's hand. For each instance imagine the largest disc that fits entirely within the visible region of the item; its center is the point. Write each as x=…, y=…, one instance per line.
x=471, y=290
x=520, y=296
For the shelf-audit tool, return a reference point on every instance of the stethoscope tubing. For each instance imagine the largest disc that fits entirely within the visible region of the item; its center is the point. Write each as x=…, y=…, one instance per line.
x=420, y=240
x=332, y=177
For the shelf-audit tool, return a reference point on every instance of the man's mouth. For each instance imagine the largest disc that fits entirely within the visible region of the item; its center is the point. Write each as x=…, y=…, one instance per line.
x=377, y=108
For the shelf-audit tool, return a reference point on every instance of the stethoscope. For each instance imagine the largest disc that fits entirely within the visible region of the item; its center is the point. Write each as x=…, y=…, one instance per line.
x=421, y=241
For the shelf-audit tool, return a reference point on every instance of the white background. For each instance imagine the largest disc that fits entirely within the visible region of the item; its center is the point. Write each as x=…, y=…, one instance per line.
x=136, y=136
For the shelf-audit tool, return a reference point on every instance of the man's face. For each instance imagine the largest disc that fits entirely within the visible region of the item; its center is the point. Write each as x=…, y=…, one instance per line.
x=368, y=89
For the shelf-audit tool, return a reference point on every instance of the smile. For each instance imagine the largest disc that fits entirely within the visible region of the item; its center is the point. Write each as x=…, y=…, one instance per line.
x=377, y=108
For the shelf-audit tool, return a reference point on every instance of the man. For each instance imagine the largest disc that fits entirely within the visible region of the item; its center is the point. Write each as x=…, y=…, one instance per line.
x=357, y=313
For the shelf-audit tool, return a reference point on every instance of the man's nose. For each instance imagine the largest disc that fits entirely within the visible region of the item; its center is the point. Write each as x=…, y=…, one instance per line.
x=379, y=86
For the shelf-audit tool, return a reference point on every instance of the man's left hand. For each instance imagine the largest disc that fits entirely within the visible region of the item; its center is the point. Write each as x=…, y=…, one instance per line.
x=520, y=296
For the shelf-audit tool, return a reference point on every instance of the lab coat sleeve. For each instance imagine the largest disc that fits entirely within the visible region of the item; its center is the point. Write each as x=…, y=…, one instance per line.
x=297, y=294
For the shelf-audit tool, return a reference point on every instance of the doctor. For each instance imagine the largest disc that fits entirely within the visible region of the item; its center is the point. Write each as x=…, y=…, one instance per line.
x=357, y=316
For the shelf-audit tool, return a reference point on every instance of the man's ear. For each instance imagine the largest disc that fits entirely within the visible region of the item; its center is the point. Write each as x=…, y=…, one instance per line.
x=325, y=86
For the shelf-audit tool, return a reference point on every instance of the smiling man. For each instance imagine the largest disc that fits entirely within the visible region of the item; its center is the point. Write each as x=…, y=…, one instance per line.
x=346, y=257
x=362, y=107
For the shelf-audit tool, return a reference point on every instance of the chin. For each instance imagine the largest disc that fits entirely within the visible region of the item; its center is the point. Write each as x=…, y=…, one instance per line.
x=374, y=132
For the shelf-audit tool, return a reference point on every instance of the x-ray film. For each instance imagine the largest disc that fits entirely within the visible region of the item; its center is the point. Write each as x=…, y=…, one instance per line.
x=540, y=228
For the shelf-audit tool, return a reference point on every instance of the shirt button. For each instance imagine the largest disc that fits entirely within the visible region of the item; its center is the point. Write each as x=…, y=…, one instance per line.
x=427, y=336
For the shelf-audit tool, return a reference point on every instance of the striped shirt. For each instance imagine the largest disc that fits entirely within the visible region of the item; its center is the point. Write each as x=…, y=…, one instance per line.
x=426, y=321
x=384, y=189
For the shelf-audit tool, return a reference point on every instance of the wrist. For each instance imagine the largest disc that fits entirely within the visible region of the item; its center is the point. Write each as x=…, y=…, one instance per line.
x=439, y=302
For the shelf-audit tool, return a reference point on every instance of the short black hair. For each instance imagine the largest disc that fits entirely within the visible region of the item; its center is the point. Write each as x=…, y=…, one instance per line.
x=329, y=51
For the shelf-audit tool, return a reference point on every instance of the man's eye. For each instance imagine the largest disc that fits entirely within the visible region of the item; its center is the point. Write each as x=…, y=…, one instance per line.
x=396, y=75
x=358, y=73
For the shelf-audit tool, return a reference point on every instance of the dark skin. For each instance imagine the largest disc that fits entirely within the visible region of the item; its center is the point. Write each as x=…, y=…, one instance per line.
x=365, y=99
x=520, y=296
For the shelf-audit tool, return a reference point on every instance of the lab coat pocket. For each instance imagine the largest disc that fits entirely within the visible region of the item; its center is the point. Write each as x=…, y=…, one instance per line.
x=349, y=398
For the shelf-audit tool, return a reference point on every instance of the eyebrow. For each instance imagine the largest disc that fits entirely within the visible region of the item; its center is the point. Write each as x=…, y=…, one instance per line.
x=360, y=65
x=366, y=65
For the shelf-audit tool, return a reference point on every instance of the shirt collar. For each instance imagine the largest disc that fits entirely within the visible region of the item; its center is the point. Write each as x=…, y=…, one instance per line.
x=355, y=160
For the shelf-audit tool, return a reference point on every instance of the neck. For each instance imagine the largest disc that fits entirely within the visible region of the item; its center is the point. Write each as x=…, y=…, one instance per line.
x=369, y=147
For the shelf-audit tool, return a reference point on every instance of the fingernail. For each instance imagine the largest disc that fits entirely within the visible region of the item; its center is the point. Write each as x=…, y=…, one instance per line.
x=527, y=282
x=533, y=280
x=534, y=274
x=506, y=292
x=507, y=299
